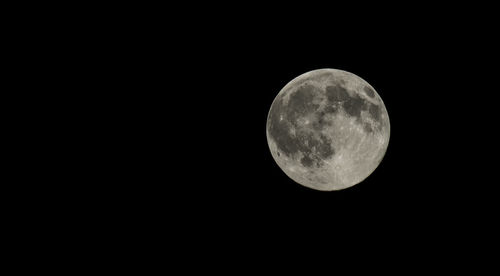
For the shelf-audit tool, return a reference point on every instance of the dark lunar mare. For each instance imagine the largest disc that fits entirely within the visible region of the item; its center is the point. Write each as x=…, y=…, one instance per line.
x=369, y=91
x=320, y=121
x=301, y=102
x=336, y=93
x=315, y=148
x=279, y=130
x=375, y=112
x=353, y=105
x=367, y=127
x=330, y=109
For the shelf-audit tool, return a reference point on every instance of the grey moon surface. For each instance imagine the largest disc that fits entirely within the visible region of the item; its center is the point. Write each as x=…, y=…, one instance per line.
x=328, y=129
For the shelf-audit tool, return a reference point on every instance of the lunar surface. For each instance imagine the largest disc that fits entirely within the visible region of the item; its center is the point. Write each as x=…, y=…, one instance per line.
x=328, y=129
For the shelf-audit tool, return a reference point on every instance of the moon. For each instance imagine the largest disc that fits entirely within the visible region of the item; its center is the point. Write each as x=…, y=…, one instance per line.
x=328, y=129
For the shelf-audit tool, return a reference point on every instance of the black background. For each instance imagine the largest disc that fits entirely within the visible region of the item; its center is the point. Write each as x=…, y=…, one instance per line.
x=173, y=149
x=206, y=171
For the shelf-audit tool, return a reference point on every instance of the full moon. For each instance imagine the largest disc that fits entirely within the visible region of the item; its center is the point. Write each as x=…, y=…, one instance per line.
x=328, y=129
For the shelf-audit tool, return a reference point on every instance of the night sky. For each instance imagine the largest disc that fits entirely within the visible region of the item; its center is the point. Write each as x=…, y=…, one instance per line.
x=189, y=102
